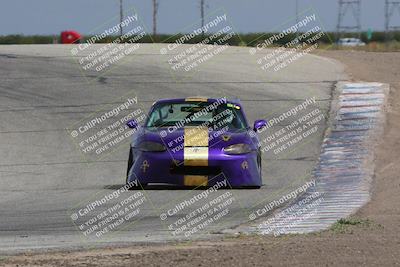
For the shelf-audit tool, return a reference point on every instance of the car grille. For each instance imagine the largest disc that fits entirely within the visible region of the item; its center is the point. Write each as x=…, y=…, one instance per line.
x=194, y=170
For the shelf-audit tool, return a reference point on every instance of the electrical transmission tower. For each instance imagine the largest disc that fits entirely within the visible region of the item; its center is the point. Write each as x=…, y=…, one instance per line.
x=354, y=7
x=390, y=7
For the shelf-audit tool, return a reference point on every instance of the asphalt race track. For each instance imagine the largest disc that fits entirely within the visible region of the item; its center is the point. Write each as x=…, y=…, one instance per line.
x=43, y=91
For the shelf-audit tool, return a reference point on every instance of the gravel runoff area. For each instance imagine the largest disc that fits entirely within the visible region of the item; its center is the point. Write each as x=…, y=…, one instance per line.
x=370, y=237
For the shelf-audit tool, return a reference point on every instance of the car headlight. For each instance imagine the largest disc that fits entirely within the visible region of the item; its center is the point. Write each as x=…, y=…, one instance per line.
x=237, y=149
x=148, y=146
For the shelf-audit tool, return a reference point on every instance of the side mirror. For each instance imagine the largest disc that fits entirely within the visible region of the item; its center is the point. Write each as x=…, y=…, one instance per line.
x=259, y=124
x=132, y=124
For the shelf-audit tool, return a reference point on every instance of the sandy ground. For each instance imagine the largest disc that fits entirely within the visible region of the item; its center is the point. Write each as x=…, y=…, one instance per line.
x=374, y=241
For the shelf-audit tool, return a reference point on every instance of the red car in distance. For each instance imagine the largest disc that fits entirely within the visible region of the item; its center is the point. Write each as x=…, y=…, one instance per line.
x=70, y=37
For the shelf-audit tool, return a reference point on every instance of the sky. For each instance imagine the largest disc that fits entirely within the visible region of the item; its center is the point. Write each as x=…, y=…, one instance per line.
x=174, y=16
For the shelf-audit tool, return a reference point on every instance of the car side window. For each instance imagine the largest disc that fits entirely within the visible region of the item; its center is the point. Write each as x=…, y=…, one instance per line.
x=155, y=118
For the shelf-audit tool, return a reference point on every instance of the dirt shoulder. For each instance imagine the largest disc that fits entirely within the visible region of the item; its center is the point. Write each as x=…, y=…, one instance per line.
x=381, y=67
x=370, y=238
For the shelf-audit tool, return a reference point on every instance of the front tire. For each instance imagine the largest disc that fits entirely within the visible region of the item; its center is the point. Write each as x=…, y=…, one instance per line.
x=130, y=163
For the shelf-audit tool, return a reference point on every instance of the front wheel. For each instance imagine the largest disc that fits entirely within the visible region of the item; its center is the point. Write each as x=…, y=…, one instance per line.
x=130, y=163
x=253, y=187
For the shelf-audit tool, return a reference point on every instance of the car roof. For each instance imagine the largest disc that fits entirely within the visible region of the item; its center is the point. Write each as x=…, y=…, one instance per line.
x=349, y=39
x=196, y=99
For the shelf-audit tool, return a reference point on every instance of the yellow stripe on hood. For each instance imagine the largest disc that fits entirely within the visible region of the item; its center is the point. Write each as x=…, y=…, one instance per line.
x=195, y=153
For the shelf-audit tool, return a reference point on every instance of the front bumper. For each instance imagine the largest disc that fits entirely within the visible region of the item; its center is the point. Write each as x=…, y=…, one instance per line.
x=163, y=167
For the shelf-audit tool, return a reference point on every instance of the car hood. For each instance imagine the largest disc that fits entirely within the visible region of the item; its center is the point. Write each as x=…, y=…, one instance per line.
x=194, y=136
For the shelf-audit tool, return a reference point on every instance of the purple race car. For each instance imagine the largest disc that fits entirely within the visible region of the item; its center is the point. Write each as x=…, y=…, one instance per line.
x=195, y=142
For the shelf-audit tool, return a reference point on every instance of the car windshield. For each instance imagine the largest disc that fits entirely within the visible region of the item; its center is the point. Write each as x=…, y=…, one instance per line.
x=197, y=114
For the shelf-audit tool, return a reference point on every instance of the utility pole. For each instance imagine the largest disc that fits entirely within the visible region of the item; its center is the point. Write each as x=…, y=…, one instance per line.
x=121, y=16
x=390, y=7
x=297, y=15
x=202, y=3
x=344, y=6
x=155, y=10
